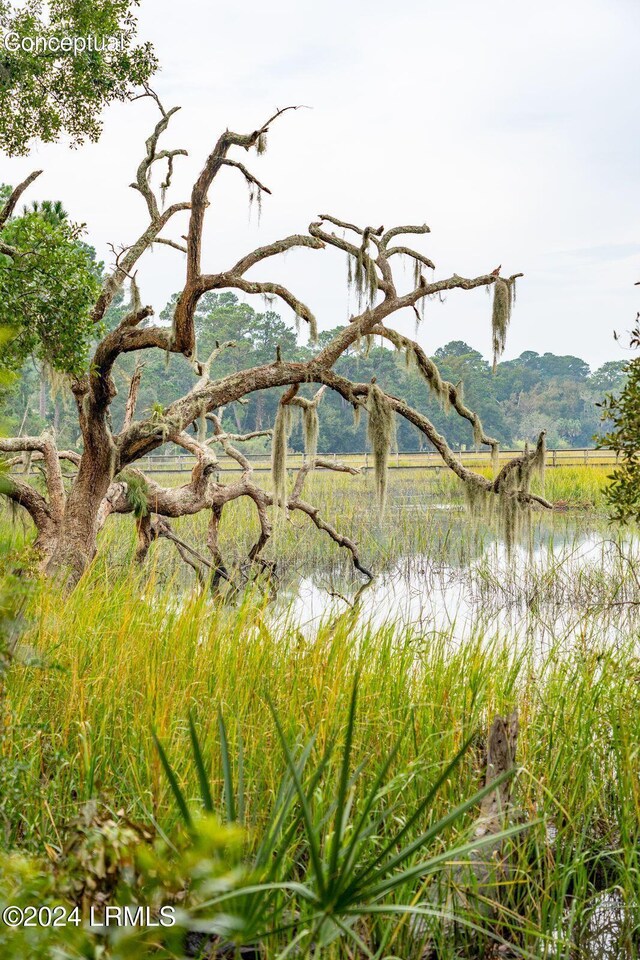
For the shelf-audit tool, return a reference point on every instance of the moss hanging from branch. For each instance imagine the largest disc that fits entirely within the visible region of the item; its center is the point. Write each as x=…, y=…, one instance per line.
x=409, y=358
x=429, y=372
x=505, y=496
x=311, y=430
x=59, y=384
x=372, y=280
x=362, y=274
x=310, y=423
x=281, y=431
x=381, y=432
x=500, y=317
x=255, y=196
x=358, y=276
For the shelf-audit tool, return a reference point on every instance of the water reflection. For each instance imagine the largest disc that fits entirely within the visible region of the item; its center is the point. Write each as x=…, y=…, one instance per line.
x=551, y=586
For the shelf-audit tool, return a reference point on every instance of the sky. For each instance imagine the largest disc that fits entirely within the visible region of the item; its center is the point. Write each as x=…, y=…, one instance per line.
x=512, y=129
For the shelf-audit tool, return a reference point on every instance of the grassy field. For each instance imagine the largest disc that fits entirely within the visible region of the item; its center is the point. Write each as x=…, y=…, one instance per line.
x=412, y=524
x=136, y=651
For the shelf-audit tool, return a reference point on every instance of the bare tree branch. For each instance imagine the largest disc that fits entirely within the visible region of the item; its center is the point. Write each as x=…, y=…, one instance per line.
x=7, y=211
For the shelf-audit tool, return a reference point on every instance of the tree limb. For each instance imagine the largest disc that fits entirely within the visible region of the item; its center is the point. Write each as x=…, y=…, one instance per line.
x=7, y=211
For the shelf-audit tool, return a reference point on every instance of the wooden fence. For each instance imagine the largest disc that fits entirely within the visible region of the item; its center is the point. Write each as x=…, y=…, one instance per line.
x=165, y=463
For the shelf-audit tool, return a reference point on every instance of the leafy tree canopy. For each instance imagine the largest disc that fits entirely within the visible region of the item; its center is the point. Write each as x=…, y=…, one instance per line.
x=47, y=289
x=622, y=412
x=45, y=93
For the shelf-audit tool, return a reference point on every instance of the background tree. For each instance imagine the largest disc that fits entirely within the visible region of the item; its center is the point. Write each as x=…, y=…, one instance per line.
x=515, y=404
x=48, y=283
x=622, y=411
x=68, y=516
x=44, y=95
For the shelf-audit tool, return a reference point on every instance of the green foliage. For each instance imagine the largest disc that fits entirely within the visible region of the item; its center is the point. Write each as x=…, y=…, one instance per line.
x=6, y=376
x=623, y=413
x=108, y=861
x=47, y=291
x=348, y=873
x=51, y=210
x=44, y=96
x=137, y=492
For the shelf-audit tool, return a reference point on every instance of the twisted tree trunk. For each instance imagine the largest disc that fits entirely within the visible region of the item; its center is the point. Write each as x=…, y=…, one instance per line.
x=71, y=547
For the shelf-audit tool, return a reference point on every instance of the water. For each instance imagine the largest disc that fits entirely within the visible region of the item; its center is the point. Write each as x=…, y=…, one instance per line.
x=553, y=586
x=608, y=932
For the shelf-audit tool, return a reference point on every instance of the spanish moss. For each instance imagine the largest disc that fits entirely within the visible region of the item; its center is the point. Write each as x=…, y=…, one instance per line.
x=281, y=430
x=381, y=432
x=311, y=429
x=508, y=495
x=500, y=317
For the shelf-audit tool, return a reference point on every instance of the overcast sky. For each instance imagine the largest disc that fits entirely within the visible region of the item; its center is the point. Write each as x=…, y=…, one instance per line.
x=512, y=129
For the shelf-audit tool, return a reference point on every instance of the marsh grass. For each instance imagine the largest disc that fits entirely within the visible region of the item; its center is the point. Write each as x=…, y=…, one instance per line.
x=121, y=658
x=133, y=651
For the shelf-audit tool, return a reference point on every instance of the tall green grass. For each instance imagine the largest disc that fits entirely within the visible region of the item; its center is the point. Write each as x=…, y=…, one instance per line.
x=137, y=652
x=122, y=657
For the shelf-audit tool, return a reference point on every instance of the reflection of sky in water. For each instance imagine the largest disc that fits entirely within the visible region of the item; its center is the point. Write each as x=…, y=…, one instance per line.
x=607, y=933
x=549, y=587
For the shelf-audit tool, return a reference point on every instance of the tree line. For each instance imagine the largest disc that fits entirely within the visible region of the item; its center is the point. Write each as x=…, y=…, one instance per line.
x=559, y=394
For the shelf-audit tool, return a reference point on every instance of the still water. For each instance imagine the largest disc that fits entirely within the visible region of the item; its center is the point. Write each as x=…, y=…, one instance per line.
x=568, y=576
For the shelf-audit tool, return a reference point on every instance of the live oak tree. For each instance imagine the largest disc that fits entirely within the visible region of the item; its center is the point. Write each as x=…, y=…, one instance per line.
x=49, y=92
x=69, y=514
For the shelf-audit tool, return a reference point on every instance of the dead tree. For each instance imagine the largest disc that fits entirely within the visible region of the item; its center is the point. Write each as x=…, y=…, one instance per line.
x=69, y=516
